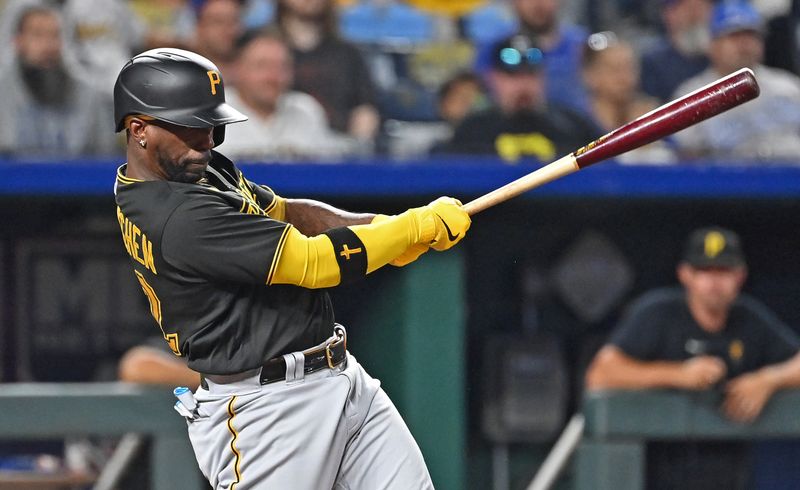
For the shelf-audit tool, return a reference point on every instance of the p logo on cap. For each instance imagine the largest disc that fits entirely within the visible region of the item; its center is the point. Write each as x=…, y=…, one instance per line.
x=714, y=247
x=713, y=244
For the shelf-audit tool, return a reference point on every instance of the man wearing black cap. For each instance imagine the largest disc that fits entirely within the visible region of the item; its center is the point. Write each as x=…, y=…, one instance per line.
x=707, y=335
x=522, y=123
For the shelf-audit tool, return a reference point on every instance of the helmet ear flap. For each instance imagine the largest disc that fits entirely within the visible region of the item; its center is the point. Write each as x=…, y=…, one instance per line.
x=219, y=135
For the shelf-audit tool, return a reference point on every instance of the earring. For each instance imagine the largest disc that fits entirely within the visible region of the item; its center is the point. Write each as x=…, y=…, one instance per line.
x=142, y=143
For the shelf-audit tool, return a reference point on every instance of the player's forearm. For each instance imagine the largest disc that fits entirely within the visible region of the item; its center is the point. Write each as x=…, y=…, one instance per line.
x=347, y=253
x=613, y=370
x=783, y=375
x=313, y=217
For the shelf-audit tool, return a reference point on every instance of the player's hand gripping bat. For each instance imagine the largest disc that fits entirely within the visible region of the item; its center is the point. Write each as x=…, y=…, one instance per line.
x=705, y=102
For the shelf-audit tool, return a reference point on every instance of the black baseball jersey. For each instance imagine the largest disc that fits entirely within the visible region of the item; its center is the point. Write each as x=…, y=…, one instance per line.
x=659, y=326
x=204, y=254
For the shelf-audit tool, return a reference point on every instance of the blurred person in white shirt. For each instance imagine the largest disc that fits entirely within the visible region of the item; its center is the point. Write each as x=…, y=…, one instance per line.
x=767, y=128
x=100, y=36
x=283, y=124
x=45, y=111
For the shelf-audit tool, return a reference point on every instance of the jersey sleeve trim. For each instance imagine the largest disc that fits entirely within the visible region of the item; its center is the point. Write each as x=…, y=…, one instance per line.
x=278, y=253
x=277, y=208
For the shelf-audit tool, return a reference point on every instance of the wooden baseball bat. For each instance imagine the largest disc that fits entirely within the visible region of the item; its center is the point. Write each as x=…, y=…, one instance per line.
x=705, y=102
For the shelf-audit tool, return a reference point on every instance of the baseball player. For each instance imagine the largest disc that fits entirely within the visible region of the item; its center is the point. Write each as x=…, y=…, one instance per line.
x=236, y=277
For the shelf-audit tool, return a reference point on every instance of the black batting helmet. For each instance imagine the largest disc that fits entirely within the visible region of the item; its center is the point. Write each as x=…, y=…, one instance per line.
x=176, y=86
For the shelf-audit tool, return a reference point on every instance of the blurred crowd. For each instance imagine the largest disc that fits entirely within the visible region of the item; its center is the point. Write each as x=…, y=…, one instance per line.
x=328, y=80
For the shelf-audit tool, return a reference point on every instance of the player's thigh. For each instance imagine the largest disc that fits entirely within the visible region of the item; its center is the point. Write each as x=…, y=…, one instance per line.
x=289, y=438
x=383, y=455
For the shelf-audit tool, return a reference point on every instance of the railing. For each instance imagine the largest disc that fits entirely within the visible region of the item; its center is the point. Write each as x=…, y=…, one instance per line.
x=50, y=411
x=619, y=424
x=458, y=176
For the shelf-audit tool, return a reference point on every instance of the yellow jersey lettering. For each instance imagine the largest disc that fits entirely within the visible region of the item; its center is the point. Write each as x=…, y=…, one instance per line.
x=155, y=310
x=250, y=207
x=174, y=345
x=245, y=189
x=136, y=243
x=147, y=254
x=214, y=79
x=152, y=298
x=121, y=219
x=129, y=236
x=511, y=147
x=250, y=204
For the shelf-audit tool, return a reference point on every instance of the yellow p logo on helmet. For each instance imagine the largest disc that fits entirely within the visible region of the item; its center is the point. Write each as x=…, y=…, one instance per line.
x=215, y=80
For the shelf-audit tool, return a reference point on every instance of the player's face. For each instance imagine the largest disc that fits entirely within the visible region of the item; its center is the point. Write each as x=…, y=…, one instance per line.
x=182, y=154
x=714, y=289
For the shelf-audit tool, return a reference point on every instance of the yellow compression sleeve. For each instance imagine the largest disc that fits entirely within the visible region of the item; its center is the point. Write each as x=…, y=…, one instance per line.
x=306, y=261
x=315, y=262
x=386, y=239
x=277, y=208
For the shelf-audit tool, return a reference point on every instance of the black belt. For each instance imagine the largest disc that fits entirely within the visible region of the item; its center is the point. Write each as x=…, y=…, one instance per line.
x=328, y=354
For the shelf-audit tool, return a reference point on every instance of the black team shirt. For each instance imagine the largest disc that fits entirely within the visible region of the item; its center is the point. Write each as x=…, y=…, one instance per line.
x=203, y=254
x=659, y=326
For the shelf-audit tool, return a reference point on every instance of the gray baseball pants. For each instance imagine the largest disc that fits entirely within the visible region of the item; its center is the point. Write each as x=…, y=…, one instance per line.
x=331, y=429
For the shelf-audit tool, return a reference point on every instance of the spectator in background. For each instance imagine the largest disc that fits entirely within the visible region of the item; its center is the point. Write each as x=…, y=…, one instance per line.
x=10, y=11
x=283, y=124
x=561, y=43
x=219, y=27
x=523, y=123
x=706, y=336
x=781, y=38
x=611, y=75
x=329, y=68
x=681, y=52
x=167, y=22
x=100, y=37
x=766, y=128
x=459, y=96
x=44, y=111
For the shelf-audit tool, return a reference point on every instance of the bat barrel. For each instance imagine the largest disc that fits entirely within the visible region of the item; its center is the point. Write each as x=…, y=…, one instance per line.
x=697, y=106
x=705, y=102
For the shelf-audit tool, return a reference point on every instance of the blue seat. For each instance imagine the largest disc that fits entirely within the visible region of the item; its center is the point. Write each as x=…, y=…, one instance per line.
x=393, y=23
x=490, y=23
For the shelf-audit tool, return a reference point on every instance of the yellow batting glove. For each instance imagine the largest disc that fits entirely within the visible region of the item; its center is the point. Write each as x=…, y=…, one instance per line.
x=452, y=222
x=411, y=254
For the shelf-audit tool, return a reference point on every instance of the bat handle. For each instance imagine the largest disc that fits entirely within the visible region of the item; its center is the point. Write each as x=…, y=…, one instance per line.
x=561, y=167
